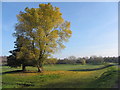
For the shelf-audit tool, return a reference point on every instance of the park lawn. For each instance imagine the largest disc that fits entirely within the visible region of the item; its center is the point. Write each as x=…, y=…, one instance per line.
x=59, y=76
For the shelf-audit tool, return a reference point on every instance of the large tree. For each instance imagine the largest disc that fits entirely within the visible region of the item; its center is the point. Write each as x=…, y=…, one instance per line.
x=44, y=31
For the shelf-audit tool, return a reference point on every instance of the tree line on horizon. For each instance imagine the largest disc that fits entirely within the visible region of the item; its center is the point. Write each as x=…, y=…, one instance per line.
x=94, y=60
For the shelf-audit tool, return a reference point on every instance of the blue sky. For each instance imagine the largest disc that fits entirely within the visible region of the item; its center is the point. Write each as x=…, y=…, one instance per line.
x=94, y=26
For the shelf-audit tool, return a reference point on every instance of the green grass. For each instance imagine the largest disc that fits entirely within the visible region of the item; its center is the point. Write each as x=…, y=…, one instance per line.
x=107, y=79
x=64, y=67
x=70, y=67
x=59, y=76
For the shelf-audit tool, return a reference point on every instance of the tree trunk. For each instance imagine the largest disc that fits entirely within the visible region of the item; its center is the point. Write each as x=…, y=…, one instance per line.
x=39, y=63
x=40, y=69
x=23, y=67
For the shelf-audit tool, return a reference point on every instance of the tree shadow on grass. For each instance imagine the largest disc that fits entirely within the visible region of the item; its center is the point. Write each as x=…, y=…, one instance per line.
x=94, y=68
x=8, y=72
x=19, y=71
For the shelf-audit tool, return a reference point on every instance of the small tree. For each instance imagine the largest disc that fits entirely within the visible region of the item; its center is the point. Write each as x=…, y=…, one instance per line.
x=83, y=61
x=22, y=55
x=12, y=61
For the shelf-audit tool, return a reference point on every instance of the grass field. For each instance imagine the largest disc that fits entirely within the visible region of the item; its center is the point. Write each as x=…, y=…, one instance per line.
x=60, y=76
